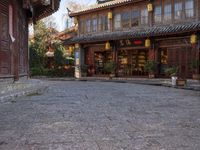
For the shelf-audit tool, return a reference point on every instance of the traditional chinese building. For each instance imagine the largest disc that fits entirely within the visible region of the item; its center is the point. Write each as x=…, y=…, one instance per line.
x=131, y=32
x=14, y=18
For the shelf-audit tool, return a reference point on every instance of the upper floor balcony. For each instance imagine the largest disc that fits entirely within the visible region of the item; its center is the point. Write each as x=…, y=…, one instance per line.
x=132, y=15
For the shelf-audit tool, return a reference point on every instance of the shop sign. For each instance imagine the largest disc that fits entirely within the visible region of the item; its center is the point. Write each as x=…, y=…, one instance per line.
x=131, y=42
x=77, y=59
x=77, y=72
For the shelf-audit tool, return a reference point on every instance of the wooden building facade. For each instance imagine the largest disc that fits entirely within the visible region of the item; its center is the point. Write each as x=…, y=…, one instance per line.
x=14, y=18
x=131, y=32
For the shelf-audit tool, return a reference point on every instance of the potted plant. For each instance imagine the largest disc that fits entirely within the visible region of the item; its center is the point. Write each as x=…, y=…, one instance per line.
x=194, y=65
x=109, y=68
x=84, y=69
x=150, y=67
x=172, y=71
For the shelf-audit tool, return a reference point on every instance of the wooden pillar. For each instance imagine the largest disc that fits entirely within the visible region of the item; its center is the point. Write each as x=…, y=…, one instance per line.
x=77, y=61
x=115, y=58
x=17, y=41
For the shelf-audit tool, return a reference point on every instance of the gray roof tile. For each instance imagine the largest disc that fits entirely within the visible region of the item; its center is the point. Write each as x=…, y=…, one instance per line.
x=103, y=5
x=147, y=32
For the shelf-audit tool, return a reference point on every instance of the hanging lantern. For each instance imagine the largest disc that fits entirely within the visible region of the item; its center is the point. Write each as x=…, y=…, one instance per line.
x=110, y=15
x=75, y=20
x=147, y=43
x=77, y=46
x=150, y=7
x=193, y=39
x=70, y=48
x=107, y=46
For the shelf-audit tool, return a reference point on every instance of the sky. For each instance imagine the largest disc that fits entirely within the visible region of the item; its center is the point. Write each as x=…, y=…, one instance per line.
x=58, y=16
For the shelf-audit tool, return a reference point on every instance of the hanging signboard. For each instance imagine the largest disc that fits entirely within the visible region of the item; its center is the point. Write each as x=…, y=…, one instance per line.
x=77, y=58
x=77, y=64
x=131, y=42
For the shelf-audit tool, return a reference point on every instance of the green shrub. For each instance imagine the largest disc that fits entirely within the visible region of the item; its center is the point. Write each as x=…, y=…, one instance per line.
x=62, y=72
x=110, y=67
x=150, y=66
x=36, y=71
x=172, y=71
x=194, y=64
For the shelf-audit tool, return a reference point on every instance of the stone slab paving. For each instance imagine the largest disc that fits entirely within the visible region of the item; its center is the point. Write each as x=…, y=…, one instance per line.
x=74, y=115
x=9, y=91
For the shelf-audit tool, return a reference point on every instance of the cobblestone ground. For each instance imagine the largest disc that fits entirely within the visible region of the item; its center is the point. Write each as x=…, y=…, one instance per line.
x=102, y=116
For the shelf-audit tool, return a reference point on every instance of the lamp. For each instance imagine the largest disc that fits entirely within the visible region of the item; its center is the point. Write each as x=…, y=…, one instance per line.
x=110, y=15
x=107, y=46
x=150, y=7
x=147, y=43
x=70, y=48
x=193, y=39
x=77, y=45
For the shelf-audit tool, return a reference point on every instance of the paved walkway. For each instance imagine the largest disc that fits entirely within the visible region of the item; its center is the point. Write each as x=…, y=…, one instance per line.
x=191, y=84
x=9, y=91
x=74, y=115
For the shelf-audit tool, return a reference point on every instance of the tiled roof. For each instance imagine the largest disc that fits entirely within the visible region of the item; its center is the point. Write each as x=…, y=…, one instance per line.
x=42, y=11
x=100, y=6
x=146, y=32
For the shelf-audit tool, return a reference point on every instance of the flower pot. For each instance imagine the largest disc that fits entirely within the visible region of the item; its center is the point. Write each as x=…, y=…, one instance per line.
x=181, y=82
x=112, y=75
x=196, y=76
x=151, y=75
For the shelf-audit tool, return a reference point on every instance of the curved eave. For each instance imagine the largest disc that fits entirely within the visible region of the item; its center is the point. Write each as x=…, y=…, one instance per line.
x=98, y=7
x=140, y=33
x=42, y=11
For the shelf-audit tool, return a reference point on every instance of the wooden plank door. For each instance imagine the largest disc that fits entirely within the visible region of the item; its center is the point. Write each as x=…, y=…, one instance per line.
x=178, y=57
x=5, y=58
x=22, y=42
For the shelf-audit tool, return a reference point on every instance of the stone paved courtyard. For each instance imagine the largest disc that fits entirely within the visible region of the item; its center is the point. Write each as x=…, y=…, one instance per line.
x=102, y=116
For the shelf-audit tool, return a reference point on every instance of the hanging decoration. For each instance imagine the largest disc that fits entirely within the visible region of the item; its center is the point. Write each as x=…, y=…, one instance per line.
x=193, y=39
x=77, y=45
x=150, y=7
x=110, y=15
x=107, y=46
x=147, y=43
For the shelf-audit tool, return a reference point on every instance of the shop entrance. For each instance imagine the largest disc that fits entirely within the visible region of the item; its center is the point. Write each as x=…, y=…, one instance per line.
x=180, y=57
x=131, y=62
x=100, y=59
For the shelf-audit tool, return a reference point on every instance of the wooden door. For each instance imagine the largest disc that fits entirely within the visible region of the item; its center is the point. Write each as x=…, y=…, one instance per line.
x=22, y=37
x=5, y=58
x=180, y=57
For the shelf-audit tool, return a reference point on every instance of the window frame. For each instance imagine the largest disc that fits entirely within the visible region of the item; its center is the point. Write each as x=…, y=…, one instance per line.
x=82, y=24
x=125, y=19
x=166, y=17
x=88, y=26
x=102, y=23
x=135, y=18
x=94, y=24
x=144, y=16
x=119, y=21
x=158, y=15
x=179, y=18
x=185, y=6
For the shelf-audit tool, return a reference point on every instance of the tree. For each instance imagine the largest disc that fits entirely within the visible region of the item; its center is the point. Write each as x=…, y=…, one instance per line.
x=59, y=55
x=44, y=37
x=72, y=6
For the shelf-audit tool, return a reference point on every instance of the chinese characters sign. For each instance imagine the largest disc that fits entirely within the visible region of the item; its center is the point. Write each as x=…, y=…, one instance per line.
x=131, y=42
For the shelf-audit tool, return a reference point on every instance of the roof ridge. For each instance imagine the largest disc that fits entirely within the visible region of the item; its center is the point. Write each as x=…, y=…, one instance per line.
x=102, y=5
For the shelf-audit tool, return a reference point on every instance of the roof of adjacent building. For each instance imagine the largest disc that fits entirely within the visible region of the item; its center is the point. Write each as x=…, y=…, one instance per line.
x=105, y=5
x=42, y=11
x=139, y=33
